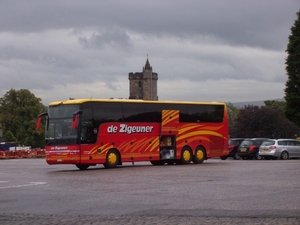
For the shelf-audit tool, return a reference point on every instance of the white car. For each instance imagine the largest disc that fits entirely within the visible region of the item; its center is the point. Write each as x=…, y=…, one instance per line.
x=280, y=148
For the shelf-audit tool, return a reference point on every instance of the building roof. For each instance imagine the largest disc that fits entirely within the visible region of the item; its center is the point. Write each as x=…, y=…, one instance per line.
x=147, y=65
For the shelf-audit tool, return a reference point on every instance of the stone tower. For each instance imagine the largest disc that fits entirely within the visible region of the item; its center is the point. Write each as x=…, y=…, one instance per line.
x=143, y=85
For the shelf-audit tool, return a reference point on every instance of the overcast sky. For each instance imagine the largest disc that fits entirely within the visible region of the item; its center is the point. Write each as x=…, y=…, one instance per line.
x=202, y=50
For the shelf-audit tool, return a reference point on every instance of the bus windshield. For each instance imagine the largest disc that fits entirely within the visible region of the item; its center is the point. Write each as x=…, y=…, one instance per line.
x=62, y=111
x=59, y=128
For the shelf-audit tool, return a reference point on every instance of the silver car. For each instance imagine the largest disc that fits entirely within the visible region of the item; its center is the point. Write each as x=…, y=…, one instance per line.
x=280, y=148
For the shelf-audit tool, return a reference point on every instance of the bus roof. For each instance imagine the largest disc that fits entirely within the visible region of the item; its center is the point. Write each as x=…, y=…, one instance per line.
x=80, y=101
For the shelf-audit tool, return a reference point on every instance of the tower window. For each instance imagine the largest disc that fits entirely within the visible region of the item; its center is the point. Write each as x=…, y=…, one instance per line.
x=140, y=84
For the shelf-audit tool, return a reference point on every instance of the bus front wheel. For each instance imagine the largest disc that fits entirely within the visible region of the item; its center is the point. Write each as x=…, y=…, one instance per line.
x=82, y=166
x=112, y=159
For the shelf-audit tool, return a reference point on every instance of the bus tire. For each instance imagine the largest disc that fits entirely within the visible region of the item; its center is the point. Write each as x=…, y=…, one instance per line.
x=186, y=155
x=112, y=159
x=82, y=166
x=199, y=155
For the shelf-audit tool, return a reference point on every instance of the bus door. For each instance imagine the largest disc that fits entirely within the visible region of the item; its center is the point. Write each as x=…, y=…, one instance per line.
x=169, y=132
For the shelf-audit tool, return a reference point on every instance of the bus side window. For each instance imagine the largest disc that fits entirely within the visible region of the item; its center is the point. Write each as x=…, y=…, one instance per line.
x=83, y=134
x=91, y=135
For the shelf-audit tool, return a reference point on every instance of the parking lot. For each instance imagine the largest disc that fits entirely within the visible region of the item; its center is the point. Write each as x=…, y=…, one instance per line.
x=215, y=192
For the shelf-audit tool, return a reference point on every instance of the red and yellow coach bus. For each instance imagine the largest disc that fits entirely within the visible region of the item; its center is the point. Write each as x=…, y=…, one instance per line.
x=86, y=132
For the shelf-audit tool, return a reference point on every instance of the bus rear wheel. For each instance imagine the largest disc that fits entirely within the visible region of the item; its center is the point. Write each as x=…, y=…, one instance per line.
x=199, y=155
x=186, y=155
x=82, y=166
x=112, y=159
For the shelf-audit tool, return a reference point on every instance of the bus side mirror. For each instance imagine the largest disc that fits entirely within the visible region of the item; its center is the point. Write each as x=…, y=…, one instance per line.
x=38, y=123
x=76, y=119
x=39, y=120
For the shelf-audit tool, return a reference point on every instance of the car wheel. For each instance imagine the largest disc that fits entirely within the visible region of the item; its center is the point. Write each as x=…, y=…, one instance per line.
x=236, y=156
x=258, y=157
x=284, y=155
x=223, y=157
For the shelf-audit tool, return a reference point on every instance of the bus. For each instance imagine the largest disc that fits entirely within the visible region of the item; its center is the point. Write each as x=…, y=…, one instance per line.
x=87, y=132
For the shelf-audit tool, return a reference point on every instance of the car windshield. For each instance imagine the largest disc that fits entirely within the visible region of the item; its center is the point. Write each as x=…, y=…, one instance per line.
x=235, y=142
x=268, y=143
x=258, y=142
x=247, y=142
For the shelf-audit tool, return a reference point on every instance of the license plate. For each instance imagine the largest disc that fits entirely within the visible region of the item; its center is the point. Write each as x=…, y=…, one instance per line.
x=243, y=149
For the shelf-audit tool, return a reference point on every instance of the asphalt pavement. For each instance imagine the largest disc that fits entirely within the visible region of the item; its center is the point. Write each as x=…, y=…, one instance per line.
x=215, y=192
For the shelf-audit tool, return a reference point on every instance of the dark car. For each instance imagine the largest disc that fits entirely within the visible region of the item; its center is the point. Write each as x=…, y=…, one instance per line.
x=233, y=145
x=249, y=148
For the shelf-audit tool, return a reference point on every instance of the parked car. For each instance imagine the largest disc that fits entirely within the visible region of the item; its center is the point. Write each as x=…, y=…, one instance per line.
x=249, y=148
x=280, y=148
x=233, y=145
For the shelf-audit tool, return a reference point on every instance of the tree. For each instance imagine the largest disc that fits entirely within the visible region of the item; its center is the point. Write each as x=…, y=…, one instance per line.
x=281, y=105
x=292, y=89
x=18, y=112
x=232, y=114
x=266, y=122
x=9, y=137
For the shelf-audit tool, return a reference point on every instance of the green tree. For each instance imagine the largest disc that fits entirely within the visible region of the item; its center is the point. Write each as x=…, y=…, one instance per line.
x=9, y=137
x=18, y=112
x=232, y=114
x=281, y=105
x=292, y=89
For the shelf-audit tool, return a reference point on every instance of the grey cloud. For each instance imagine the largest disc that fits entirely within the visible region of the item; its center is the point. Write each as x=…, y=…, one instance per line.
x=55, y=45
x=237, y=22
x=52, y=61
x=111, y=86
x=115, y=38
